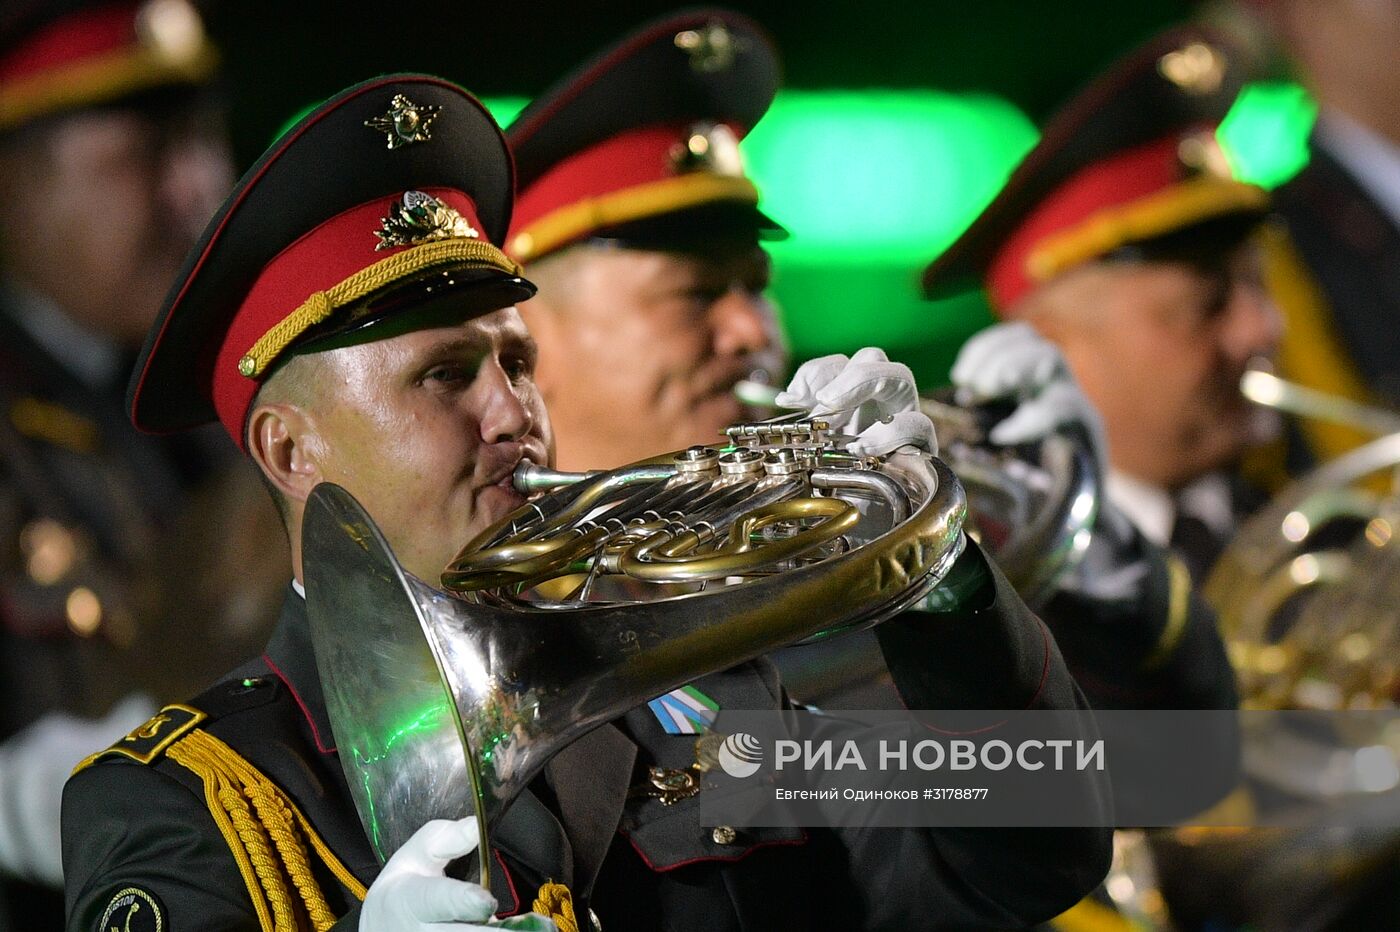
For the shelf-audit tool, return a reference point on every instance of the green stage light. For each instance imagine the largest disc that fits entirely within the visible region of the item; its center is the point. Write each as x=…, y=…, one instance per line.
x=1265, y=134
x=504, y=109
x=881, y=175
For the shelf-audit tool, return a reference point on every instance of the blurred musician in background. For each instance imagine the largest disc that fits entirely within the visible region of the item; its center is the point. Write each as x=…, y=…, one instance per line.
x=1124, y=239
x=639, y=224
x=637, y=221
x=112, y=158
x=1336, y=272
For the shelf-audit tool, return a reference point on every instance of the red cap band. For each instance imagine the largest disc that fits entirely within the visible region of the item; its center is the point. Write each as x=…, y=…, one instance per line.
x=1122, y=179
x=627, y=161
x=337, y=249
x=72, y=39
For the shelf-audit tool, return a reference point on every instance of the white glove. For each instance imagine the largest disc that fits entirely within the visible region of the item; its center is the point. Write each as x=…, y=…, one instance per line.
x=865, y=395
x=1014, y=361
x=34, y=765
x=413, y=894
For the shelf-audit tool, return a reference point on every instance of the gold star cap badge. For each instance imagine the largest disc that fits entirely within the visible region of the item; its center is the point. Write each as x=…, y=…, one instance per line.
x=711, y=48
x=1197, y=68
x=405, y=123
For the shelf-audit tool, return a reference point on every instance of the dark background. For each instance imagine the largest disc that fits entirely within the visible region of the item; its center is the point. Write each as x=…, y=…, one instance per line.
x=282, y=56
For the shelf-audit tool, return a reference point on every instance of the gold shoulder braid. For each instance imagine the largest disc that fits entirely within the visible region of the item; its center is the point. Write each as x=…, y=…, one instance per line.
x=268, y=838
x=266, y=833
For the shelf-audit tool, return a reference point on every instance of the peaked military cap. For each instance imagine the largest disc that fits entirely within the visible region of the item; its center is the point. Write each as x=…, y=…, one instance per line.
x=58, y=55
x=640, y=144
x=377, y=212
x=1130, y=159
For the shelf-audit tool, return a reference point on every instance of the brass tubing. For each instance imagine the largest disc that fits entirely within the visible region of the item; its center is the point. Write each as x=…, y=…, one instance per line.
x=877, y=483
x=1270, y=391
x=530, y=477
x=598, y=491
x=670, y=557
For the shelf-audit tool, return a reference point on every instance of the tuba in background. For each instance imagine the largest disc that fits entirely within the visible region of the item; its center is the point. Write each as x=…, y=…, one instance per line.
x=603, y=592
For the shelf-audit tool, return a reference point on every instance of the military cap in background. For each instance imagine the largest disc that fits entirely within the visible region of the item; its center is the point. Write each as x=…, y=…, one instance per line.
x=59, y=55
x=1129, y=161
x=640, y=144
x=383, y=206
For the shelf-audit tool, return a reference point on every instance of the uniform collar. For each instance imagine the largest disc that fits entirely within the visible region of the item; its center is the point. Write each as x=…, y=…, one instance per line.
x=1149, y=507
x=1154, y=510
x=292, y=659
x=93, y=359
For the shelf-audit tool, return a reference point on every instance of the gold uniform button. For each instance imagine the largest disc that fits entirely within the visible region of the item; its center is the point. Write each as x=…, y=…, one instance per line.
x=724, y=835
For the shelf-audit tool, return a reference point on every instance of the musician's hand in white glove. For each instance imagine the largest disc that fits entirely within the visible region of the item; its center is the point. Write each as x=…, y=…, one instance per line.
x=34, y=765
x=866, y=395
x=413, y=894
x=1014, y=362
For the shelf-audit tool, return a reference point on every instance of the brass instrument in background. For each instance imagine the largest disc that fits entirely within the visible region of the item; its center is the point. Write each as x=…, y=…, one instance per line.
x=1308, y=592
x=1308, y=599
x=602, y=593
x=1032, y=507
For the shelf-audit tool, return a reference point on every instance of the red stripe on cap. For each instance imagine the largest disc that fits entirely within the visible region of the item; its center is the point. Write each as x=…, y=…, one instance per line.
x=269, y=159
x=1126, y=177
x=317, y=261
x=624, y=161
x=72, y=39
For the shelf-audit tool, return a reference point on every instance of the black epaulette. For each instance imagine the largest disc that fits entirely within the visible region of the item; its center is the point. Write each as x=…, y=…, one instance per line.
x=147, y=743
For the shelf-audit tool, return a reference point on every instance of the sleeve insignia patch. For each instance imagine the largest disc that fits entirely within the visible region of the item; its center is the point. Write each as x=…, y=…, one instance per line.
x=150, y=740
x=133, y=909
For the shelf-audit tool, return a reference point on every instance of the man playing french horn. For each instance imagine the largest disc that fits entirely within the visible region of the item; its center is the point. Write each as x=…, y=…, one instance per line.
x=348, y=317
x=637, y=220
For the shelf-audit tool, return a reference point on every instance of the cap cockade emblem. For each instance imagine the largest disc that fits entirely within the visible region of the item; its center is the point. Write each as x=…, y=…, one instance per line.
x=405, y=123
x=708, y=147
x=422, y=218
x=1197, y=68
x=1201, y=154
x=711, y=48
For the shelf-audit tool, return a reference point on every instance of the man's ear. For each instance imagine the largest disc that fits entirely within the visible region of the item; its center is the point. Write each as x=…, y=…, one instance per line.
x=282, y=440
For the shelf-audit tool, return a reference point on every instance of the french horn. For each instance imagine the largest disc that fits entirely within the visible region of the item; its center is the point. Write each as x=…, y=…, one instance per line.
x=1308, y=600
x=603, y=592
x=1032, y=506
x=1308, y=593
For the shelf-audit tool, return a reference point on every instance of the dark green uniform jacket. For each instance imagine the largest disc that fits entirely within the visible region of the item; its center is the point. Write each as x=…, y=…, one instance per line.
x=147, y=828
